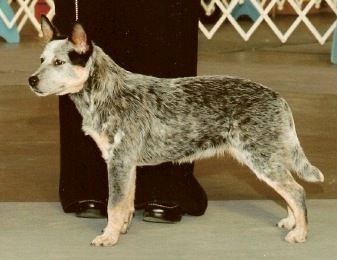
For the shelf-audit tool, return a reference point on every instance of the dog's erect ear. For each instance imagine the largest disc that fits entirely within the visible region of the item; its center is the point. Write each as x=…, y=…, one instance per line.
x=49, y=31
x=80, y=39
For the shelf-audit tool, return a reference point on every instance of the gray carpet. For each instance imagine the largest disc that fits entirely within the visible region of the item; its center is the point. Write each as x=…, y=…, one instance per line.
x=228, y=230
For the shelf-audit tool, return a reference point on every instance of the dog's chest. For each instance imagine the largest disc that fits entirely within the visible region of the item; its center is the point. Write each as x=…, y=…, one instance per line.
x=99, y=125
x=103, y=142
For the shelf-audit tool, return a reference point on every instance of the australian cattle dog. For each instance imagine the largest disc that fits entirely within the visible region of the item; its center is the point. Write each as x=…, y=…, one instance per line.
x=139, y=120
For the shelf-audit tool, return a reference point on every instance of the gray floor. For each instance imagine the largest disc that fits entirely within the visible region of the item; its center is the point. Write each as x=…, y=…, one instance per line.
x=229, y=230
x=33, y=225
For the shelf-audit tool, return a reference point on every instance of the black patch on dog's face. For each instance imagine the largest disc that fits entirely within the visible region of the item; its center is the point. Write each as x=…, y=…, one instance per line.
x=79, y=59
x=58, y=37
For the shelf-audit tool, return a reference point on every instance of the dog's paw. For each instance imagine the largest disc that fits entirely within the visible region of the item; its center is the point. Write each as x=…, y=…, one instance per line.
x=295, y=236
x=287, y=223
x=107, y=239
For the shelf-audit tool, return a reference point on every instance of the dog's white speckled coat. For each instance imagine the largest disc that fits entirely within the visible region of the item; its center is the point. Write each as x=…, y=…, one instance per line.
x=142, y=120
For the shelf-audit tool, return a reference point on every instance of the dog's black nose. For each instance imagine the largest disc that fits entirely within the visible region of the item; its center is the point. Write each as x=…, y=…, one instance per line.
x=33, y=81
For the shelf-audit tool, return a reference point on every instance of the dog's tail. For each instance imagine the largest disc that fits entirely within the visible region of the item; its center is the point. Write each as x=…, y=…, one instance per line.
x=303, y=167
x=299, y=162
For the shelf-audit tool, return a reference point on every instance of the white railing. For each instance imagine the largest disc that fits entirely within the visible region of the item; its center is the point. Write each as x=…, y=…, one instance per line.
x=264, y=8
x=24, y=13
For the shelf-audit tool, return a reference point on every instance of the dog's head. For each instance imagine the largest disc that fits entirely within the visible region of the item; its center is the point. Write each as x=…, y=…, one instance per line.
x=65, y=61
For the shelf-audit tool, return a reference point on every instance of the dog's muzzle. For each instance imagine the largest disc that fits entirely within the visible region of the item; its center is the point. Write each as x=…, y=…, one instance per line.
x=33, y=81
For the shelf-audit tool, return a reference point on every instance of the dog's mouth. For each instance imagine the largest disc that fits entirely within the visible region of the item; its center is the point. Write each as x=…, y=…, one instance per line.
x=38, y=92
x=41, y=93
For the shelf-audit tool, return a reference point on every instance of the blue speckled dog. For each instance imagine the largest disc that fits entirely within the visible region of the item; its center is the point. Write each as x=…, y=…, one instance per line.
x=142, y=120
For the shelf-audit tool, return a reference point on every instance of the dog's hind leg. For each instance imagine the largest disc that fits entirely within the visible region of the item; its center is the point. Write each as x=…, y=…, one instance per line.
x=120, y=205
x=293, y=193
x=288, y=222
x=271, y=169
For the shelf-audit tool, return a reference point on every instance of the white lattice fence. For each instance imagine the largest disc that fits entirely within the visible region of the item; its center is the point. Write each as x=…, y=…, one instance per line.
x=25, y=13
x=264, y=8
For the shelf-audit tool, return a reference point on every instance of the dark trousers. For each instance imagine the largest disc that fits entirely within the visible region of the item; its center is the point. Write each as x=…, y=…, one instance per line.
x=152, y=37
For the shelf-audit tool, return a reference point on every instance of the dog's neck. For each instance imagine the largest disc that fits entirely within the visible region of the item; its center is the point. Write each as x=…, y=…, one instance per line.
x=105, y=81
x=105, y=74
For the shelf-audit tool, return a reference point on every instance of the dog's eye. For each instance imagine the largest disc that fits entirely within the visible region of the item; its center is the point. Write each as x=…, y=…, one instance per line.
x=58, y=62
x=42, y=60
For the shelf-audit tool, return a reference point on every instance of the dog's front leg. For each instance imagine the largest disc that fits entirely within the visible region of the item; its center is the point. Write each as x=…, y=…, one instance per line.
x=122, y=181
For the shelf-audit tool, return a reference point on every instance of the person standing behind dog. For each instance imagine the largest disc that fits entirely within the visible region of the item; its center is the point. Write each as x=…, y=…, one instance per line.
x=157, y=38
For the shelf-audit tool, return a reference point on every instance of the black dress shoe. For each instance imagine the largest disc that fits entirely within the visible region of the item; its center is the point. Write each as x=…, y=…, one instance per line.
x=161, y=212
x=170, y=183
x=91, y=209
